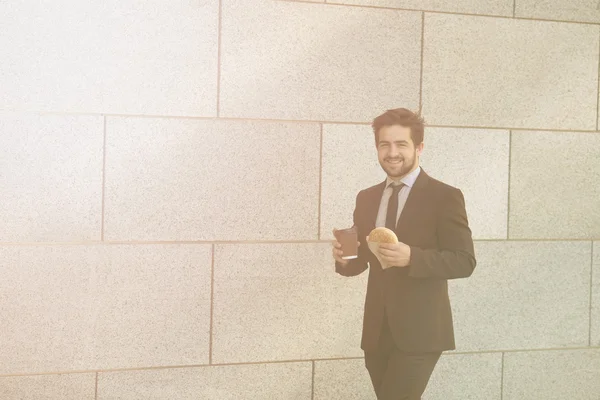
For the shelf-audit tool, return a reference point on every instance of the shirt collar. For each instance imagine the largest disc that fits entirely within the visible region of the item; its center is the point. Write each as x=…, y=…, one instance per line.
x=408, y=180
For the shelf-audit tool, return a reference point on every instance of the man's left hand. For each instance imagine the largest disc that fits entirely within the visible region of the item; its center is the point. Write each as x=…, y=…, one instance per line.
x=395, y=254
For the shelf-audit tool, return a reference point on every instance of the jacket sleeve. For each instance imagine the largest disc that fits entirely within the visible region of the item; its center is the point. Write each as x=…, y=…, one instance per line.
x=455, y=257
x=357, y=265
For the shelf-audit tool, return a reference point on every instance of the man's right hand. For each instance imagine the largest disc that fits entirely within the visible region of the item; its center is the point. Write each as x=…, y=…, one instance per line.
x=337, y=252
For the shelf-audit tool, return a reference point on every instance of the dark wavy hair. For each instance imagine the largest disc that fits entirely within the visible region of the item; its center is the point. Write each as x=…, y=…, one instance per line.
x=402, y=117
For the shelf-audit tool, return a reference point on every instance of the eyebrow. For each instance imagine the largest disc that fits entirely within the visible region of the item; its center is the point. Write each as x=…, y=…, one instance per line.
x=397, y=141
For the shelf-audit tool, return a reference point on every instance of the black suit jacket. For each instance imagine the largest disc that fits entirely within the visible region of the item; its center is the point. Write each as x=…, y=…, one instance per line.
x=434, y=224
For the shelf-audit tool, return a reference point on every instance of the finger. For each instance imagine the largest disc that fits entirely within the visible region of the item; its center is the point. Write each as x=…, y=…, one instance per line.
x=339, y=260
x=389, y=259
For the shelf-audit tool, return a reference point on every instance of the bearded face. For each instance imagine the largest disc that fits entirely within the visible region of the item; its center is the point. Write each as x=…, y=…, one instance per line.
x=396, y=151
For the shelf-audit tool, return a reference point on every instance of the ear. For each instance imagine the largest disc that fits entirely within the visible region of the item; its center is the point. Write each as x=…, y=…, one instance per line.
x=420, y=149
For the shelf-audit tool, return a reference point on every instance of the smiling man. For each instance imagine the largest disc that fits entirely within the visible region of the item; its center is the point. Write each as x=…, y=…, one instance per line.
x=407, y=319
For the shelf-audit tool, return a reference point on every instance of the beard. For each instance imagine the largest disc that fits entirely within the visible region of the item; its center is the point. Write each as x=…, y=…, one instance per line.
x=402, y=168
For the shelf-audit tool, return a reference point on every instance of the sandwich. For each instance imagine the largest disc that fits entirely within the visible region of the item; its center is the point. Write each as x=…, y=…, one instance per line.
x=381, y=235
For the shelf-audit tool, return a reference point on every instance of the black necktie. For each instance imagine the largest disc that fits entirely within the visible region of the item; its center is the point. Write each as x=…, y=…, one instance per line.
x=392, y=210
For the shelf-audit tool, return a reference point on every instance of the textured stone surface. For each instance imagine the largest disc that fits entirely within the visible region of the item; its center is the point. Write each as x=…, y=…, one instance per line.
x=302, y=61
x=249, y=382
x=71, y=308
x=67, y=308
x=343, y=379
x=48, y=387
x=552, y=375
x=284, y=302
x=564, y=10
x=349, y=165
x=474, y=160
x=554, y=191
x=50, y=177
x=466, y=377
x=110, y=57
x=595, y=305
x=524, y=295
x=455, y=377
x=498, y=72
x=190, y=179
x=488, y=7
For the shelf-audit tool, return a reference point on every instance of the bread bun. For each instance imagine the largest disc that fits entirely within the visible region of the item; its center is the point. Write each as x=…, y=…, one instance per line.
x=383, y=235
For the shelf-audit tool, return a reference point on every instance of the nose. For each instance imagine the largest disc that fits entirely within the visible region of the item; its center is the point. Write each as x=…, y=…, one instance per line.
x=393, y=151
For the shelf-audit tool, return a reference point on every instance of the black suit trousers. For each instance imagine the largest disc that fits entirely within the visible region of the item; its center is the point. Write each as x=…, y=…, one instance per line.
x=398, y=375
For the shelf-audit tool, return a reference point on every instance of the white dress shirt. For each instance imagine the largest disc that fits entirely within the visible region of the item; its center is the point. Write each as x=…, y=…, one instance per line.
x=409, y=181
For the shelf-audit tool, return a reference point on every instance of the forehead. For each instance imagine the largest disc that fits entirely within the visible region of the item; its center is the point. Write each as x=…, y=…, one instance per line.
x=394, y=133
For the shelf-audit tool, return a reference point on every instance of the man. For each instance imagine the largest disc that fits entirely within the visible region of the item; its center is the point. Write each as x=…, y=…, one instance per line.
x=407, y=317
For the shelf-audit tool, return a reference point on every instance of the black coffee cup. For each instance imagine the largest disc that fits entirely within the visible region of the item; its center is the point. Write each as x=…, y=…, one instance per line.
x=348, y=238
